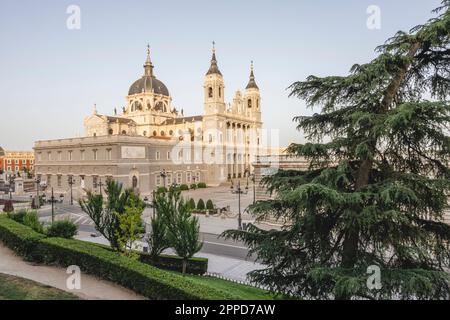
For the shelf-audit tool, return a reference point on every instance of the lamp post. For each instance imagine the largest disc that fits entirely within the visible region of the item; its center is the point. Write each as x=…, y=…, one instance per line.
x=71, y=182
x=163, y=175
x=38, y=183
x=239, y=191
x=254, y=186
x=53, y=207
x=11, y=181
x=99, y=185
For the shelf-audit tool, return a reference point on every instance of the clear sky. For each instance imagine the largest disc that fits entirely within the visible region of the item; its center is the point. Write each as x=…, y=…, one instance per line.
x=50, y=76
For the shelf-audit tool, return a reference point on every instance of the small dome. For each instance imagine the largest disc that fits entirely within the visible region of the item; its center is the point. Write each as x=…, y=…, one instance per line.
x=148, y=84
x=2, y=152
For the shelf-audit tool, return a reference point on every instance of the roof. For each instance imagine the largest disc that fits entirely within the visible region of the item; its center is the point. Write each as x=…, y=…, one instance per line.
x=2, y=152
x=213, y=68
x=182, y=120
x=119, y=119
x=148, y=84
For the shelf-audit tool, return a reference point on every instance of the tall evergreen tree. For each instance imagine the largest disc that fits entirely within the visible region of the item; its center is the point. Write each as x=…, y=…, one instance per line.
x=378, y=182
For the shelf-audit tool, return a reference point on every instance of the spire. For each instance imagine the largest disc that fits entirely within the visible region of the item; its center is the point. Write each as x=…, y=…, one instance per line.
x=252, y=83
x=213, y=69
x=94, y=111
x=148, y=66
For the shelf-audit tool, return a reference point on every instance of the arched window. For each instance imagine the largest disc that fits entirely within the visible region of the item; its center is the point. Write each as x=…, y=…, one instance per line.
x=249, y=103
x=171, y=132
x=220, y=92
x=163, y=133
x=135, y=182
x=257, y=104
x=210, y=92
x=145, y=133
x=124, y=132
x=155, y=133
x=110, y=131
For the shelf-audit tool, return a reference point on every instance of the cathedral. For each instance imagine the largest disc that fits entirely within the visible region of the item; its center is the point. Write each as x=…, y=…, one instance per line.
x=150, y=142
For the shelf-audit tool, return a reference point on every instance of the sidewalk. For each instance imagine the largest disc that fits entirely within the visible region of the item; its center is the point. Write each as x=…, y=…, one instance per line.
x=91, y=287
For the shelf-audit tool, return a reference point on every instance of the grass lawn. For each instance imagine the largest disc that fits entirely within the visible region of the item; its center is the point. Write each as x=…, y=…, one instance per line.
x=14, y=288
x=243, y=291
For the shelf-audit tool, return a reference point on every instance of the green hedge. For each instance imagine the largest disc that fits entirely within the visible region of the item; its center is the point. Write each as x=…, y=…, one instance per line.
x=197, y=266
x=18, y=237
x=106, y=264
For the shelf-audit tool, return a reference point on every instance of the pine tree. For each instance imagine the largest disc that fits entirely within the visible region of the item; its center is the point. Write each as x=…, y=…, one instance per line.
x=378, y=182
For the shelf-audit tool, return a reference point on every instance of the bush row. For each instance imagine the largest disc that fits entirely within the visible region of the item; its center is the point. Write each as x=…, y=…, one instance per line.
x=104, y=263
x=197, y=266
x=183, y=187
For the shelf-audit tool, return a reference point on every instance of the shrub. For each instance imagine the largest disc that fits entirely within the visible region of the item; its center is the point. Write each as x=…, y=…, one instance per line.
x=63, y=229
x=184, y=187
x=8, y=206
x=193, y=186
x=201, y=185
x=201, y=204
x=195, y=265
x=161, y=190
x=191, y=204
x=31, y=219
x=209, y=205
x=17, y=216
x=22, y=239
x=137, y=276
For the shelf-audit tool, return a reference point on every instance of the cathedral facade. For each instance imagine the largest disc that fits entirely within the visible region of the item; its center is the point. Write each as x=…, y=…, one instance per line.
x=151, y=143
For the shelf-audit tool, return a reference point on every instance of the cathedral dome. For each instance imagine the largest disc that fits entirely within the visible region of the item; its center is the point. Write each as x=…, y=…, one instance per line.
x=148, y=84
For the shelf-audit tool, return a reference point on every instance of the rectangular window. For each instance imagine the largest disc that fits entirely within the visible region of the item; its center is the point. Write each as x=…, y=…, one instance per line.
x=70, y=155
x=16, y=161
x=157, y=155
x=49, y=180
x=49, y=154
x=59, y=180
x=31, y=161
x=9, y=169
x=188, y=177
x=169, y=179
x=16, y=169
x=168, y=155
x=108, y=152
x=179, y=178
x=197, y=177
x=94, y=181
x=59, y=155
x=95, y=154
x=158, y=180
x=9, y=161
x=82, y=155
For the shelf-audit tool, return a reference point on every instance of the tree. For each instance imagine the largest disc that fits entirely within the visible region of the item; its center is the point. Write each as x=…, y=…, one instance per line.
x=201, y=204
x=183, y=230
x=209, y=205
x=158, y=241
x=377, y=188
x=130, y=228
x=105, y=213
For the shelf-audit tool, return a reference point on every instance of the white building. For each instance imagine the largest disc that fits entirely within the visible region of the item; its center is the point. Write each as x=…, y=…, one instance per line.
x=151, y=136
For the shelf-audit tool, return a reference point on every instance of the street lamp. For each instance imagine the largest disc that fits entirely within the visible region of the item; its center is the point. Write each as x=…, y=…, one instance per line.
x=239, y=191
x=53, y=206
x=38, y=183
x=11, y=181
x=71, y=182
x=163, y=175
x=100, y=185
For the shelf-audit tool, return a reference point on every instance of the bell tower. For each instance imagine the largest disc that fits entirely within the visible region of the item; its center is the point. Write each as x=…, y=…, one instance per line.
x=214, y=101
x=252, y=98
